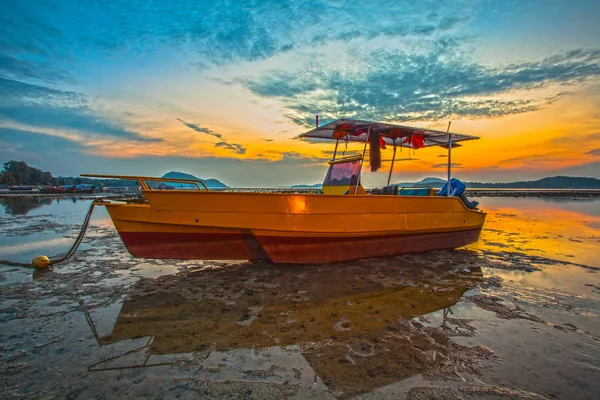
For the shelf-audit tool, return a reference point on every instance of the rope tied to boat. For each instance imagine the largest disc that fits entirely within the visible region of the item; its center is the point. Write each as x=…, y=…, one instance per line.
x=43, y=261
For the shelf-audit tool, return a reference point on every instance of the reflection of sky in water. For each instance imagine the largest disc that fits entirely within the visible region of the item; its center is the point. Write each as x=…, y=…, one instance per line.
x=35, y=206
x=18, y=247
x=563, y=229
x=23, y=237
x=589, y=206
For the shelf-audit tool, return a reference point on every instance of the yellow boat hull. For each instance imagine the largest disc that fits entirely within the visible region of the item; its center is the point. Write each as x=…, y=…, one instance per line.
x=291, y=228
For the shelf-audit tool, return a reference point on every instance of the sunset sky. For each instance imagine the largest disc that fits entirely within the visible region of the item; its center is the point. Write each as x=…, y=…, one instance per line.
x=220, y=89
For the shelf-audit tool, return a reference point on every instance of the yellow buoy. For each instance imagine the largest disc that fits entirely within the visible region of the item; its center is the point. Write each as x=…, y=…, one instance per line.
x=41, y=262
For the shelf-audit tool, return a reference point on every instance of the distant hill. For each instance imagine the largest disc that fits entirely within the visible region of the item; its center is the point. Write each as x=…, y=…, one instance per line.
x=315, y=186
x=211, y=183
x=433, y=182
x=554, y=182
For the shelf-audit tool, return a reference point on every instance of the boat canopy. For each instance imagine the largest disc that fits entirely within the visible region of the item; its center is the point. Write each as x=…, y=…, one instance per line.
x=355, y=130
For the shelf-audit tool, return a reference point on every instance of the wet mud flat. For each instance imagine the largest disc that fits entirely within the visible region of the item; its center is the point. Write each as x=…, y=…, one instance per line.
x=507, y=318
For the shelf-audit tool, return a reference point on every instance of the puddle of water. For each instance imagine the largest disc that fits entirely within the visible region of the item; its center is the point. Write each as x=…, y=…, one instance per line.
x=33, y=226
x=562, y=230
x=148, y=270
x=40, y=244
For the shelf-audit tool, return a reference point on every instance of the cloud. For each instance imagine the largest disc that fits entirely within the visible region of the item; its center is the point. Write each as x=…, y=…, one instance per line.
x=35, y=146
x=28, y=47
x=217, y=33
x=591, y=169
x=14, y=68
x=450, y=22
x=43, y=107
x=446, y=165
x=62, y=157
x=201, y=130
x=432, y=85
x=15, y=91
x=595, y=152
x=546, y=159
x=235, y=147
x=293, y=156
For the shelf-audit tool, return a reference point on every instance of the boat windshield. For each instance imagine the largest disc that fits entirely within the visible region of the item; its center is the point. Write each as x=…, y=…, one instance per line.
x=342, y=173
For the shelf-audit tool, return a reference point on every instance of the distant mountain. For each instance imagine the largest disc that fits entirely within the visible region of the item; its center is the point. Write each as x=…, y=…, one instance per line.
x=554, y=182
x=315, y=186
x=433, y=182
x=211, y=183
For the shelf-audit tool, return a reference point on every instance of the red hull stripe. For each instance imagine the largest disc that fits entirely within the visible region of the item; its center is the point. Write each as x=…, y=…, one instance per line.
x=280, y=240
x=325, y=250
x=285, y=249
x=188, y=246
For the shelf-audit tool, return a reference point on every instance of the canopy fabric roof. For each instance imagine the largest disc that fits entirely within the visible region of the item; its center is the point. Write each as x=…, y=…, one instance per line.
x=355, y=130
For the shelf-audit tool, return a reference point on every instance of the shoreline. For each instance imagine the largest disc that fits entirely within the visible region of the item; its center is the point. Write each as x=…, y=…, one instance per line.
x=552, y=193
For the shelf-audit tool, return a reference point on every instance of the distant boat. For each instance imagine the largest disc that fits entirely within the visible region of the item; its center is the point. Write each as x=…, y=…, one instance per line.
x=342, y=223
x=56, y=189
x=66, y=189
x=21, y=188
x=84, y=188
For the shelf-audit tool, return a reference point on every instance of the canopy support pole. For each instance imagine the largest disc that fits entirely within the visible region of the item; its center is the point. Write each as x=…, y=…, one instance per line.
x=362, y=160
x=337, y=141
x=392, y=167
x=449, y=159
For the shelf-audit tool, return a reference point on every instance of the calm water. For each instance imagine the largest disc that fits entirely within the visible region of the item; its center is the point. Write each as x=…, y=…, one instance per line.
x=467, y=323
x=562, y=229
x=34, y=226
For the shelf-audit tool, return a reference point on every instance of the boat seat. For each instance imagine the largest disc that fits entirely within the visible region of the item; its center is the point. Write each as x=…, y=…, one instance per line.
x=470, y=204
x=417, y=191
x=388, y=190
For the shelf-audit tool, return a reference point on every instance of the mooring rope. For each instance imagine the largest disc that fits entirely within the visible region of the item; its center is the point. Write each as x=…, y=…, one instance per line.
x=69, y=253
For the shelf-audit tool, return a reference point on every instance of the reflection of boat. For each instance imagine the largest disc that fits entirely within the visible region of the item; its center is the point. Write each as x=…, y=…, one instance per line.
x=345, y=309
x=341, y=224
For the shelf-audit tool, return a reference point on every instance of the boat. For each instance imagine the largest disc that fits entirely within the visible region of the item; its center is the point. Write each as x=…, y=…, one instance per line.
x=67, y=189
x=343, y=222
x=21, y=188
x=57, y=189
x=84, y=188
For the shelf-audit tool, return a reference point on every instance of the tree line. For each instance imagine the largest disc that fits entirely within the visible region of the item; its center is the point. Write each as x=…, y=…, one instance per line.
x=18, y=173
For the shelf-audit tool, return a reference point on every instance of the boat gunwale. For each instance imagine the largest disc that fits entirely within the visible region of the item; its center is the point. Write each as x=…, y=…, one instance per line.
x=312, y=233
x=348, y=196
x=149, y=205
